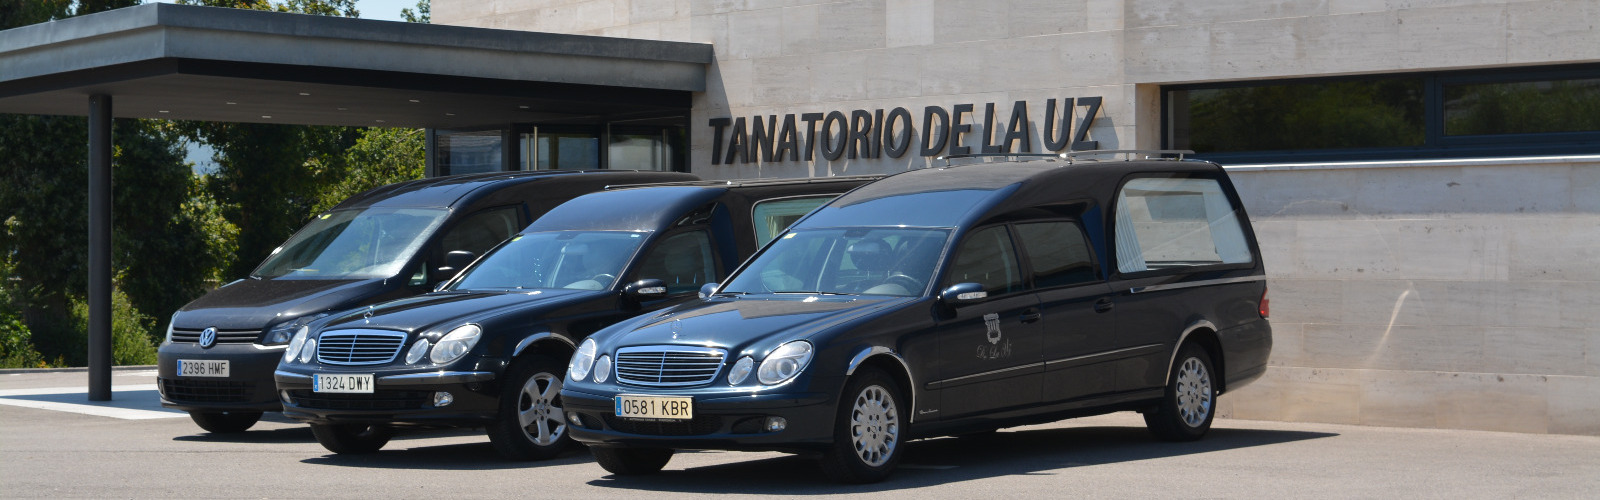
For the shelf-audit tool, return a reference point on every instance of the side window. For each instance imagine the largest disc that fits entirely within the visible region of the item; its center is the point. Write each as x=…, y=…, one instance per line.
x=987, y=258
x=479, y=232
x=1058, y=251
x=682, y=260
x=772, y=217
x=1164, y=223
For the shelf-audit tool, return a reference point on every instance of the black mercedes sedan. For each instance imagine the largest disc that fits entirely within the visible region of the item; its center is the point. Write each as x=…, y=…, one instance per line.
x=489, y=347
x=946, y=301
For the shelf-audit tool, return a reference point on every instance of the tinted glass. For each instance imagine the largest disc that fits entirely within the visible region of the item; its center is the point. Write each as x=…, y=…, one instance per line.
x=1058, y=252
x=468, y=152
x=1522, y=107
x=867, y=261
x=353, y=244
x=772, y=217
x=481, y=231
x=682, y=260
x=581, y=260
x=1327, y=115
x=1165, y=223
x=987, y=258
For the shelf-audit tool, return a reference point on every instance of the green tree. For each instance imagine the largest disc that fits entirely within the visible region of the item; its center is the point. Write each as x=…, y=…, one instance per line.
x=423, y=14
x=381, y=156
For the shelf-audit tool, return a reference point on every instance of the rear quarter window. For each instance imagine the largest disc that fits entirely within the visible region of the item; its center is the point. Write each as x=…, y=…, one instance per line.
x=1176, y=222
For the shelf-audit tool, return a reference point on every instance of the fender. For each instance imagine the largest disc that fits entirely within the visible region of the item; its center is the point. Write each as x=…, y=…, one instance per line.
x=864, y=353
x=529, y=340
x=1181, y=338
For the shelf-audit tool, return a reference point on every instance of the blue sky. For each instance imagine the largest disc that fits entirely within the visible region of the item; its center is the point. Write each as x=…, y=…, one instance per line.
x=385, y=10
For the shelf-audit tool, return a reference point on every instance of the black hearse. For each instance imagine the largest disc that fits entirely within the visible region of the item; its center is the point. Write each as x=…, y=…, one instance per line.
x=490, y=348
x=946, y=301
x=394, y=241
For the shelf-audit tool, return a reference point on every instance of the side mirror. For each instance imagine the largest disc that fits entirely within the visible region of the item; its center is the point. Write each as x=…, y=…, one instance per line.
x=645, y=289
x=707, y=289
x=961, y=294
x=454, y=262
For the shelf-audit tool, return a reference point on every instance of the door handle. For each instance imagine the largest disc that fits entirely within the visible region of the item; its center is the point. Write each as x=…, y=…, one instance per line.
x=1103, y=305
x=1031, y=315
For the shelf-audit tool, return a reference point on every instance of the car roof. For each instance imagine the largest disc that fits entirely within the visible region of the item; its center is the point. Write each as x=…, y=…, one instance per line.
x=457, y=190
x=648, y=207
x=953, y=196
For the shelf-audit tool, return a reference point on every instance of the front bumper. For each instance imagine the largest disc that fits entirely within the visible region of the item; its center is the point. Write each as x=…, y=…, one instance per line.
x=723, y=421
x=397, y=398
x=249, y=386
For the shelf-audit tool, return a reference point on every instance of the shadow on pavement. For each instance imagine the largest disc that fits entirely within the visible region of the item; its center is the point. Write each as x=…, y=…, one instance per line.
x=466, y=456
x=949, y=460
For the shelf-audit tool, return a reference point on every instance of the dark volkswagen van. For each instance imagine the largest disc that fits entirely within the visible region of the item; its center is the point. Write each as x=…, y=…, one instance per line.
x=946, y=301
x=390, y=242
x=490, y=348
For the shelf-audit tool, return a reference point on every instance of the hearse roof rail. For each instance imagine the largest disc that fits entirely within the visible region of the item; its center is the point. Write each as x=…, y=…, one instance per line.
x=1129, y=155
x=752, y=182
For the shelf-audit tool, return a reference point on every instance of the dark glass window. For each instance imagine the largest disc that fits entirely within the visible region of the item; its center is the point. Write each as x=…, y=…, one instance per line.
x=1332, y=115
x=986, y=258
x=468, y=152
x=1058, y=252
x=1531, y=107
x=681, y=260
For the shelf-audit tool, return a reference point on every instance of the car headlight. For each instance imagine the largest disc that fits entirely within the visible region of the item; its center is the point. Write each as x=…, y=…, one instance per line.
x=296, y=343
x=582, y=360
x=309, y=351
x=602, y=369
x=784, y=363
x=169, y=328
x=418, y=350
x=741, y=370
x=281, y=333
x=455, y=344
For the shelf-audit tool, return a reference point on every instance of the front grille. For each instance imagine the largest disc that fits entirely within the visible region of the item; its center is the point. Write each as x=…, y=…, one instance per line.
x=223, y=336
x=697, y=426
x=359, y=347
x=381, y=400
x=207, y=391
x=668, y=366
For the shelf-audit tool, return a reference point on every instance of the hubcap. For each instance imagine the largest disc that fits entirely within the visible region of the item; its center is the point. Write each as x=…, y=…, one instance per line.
x=539, y=409
x=874, y=426
x=1194, y=392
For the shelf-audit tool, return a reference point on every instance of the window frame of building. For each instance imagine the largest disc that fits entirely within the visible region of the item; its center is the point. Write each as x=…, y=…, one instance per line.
x=1436, y=144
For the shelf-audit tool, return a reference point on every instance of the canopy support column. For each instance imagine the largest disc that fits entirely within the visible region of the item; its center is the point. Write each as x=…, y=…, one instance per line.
x=99, y=248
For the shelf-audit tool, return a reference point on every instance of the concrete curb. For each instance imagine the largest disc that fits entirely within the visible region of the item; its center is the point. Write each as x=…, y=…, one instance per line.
x=78, y=369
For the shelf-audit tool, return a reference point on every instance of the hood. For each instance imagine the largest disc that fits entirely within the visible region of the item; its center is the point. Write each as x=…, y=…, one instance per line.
x=254, y=304
x=738, y=323
x=449, y=309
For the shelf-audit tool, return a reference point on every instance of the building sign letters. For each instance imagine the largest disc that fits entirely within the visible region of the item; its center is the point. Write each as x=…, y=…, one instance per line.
x=863, y=134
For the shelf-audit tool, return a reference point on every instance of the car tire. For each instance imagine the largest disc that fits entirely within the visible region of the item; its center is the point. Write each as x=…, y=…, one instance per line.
x=352, y=439
x=226, y=422
x=530, y=424
x=869, y=432
x=631, y=461
x=1189, y=405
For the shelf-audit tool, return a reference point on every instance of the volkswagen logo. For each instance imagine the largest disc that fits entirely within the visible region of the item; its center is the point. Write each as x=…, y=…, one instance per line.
x=208, y=337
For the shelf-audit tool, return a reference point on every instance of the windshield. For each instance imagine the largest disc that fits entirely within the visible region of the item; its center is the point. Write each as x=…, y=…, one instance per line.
x=580, y=260
x=866, y=261
x=354, y=244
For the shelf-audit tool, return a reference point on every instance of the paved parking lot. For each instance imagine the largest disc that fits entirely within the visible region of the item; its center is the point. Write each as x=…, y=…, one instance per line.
x=54, y=443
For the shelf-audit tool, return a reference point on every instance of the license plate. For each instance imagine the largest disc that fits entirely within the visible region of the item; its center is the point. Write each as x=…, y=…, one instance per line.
x=202, y=368
x=655, y=407
x=361, y=384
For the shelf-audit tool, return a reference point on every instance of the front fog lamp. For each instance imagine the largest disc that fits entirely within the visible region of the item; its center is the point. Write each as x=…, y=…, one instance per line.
x=602, y=369
x=784, y=363
x=455, y=344
x=309, y=351
x=442, y=399
x=582, y=360
x=741, y=370
x=418, y=350
x=295, y=344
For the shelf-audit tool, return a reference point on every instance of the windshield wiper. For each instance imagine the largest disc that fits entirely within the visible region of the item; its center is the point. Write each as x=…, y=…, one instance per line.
x=813, y=293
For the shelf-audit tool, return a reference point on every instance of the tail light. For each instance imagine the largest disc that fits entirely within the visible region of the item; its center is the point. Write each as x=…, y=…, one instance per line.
x=1265, y=310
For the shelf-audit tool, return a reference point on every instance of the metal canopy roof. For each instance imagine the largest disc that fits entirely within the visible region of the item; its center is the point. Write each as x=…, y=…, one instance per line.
x=215, y=64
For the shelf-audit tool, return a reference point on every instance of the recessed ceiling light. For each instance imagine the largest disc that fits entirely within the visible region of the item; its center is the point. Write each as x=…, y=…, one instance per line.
x=162, y=111
x=523, y=107
x=381, y=121
x=449, y=114
x=305, y=93
x=231, y=102
x=266, y=116
x=344, y=109
x=414, y=100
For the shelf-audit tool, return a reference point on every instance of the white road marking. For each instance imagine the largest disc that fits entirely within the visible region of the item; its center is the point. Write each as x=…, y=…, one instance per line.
x=136, y=402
